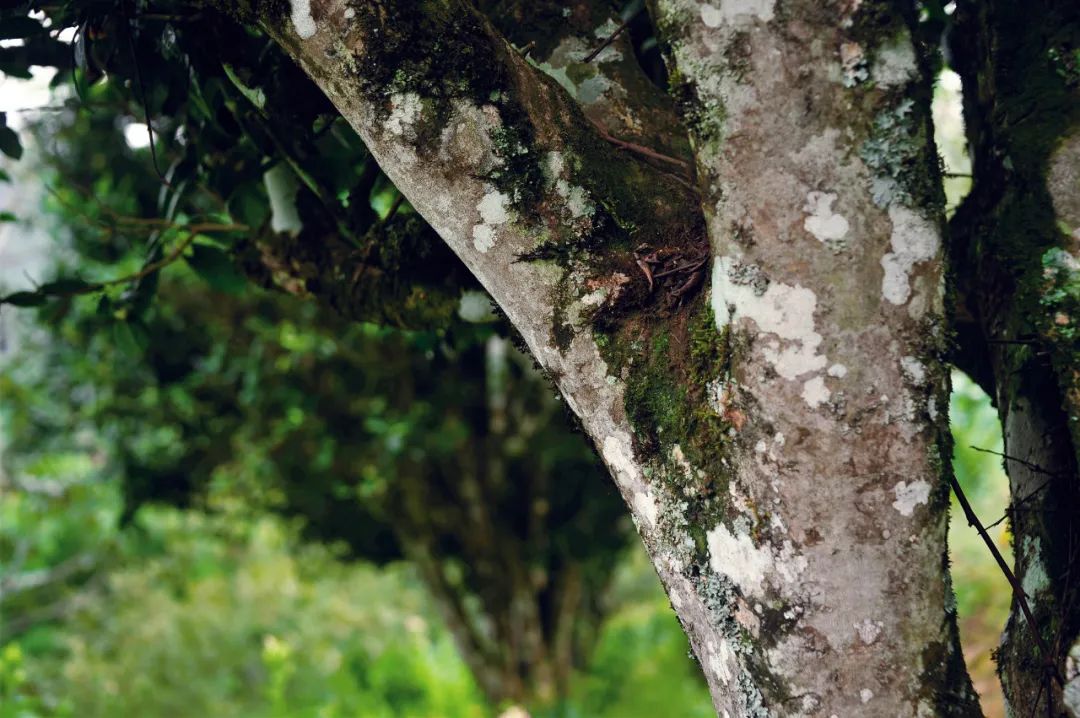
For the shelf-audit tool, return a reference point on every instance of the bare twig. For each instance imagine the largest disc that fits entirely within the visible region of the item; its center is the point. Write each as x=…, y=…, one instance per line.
x=1017, y=504
x=611, y=38
x=1018, y=590
x=1023, y=462
x=640, y=149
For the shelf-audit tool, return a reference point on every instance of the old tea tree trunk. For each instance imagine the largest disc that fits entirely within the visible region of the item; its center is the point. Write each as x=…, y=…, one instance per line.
x=755, y=347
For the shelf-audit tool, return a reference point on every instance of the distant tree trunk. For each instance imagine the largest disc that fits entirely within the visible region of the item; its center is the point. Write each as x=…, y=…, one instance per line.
x=1017, y=245
x=754, y=338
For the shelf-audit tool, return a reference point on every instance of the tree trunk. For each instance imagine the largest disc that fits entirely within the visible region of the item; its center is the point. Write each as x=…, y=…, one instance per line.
x=1017, y=239
x=779, y=434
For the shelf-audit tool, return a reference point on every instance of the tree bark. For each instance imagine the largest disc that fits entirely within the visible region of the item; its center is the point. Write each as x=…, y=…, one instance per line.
x=1016, y=242
x=780, y=435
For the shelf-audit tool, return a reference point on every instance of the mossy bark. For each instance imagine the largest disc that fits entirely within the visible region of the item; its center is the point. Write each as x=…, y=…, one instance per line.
x=1016, y=246
x=778, y=438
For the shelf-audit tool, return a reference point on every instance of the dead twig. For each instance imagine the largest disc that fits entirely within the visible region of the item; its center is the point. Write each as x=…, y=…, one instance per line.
x=1018, y=590
x=640, y=149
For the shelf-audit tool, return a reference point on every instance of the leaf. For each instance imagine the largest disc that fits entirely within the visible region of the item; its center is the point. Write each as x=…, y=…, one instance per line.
x=8, y=217
x=9, y=143
x=24, y=299
x=248, y=205
x=217, y=268
x=130, y=337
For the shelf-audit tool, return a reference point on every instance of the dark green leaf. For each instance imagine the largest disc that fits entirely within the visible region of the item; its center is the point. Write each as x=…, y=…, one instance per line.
x=130, y=337
x=8, y=217
x=9, y=143
x=215, y=266
x=248, y=205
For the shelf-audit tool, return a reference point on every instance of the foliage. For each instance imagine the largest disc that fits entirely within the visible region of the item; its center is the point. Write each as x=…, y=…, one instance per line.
x=243, y=619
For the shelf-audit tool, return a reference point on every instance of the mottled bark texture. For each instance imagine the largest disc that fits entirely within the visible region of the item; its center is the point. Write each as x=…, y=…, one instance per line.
x=1017, y=247
x=780, y=435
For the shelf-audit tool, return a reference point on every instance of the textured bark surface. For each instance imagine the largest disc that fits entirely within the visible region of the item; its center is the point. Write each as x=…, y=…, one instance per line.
x=811, y=135
x=778, y=435
x=1016, y=243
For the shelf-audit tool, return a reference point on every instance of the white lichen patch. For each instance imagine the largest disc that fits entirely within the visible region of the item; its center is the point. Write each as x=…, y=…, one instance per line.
x=827, y=226
x=619, y=456
x=735, y=556
x=303, y=22
x=868, y=630
x=895, y=62
x=553, y=166
x=281, y=188
x=494, y=209
x=1035, y=578
x=646, y=507
x=405, y=109
x=576, y=199
x=837, y=371
x=736, y=12
x=815, y=392
x=781, y=309
x=914, y=239
x=914, y=370
x=908, y=496
x=866, y=695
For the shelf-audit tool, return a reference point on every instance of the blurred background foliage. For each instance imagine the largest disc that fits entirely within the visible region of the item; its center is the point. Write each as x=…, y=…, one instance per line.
x=220, y=497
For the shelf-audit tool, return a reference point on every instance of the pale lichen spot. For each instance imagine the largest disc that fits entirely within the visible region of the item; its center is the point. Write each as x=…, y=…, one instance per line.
x=914, y=370
x=781, y=309
x=405, y=109
x=619, y=456
x=645, y=505
x=914, y=239
x=737, y=12
x=815, y=393
x=494, y=210
x=576, y=199
x=483, y=237
x=739, y=559
x=895, y=62
x=303, y=22
x=1035, y=578
x=866, y=695
x=908, y=496
x=828, y=227
x=868, y=630
x=837, y=371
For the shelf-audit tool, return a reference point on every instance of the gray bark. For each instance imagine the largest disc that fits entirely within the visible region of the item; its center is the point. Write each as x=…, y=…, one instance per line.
x=780, y=438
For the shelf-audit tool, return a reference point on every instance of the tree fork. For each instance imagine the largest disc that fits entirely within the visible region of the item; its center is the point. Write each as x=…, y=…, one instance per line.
x=782, y=444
